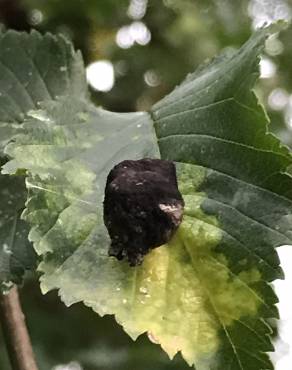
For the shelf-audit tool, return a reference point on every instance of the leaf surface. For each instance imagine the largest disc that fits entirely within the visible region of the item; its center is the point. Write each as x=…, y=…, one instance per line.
x=69, y=149
x=214, y=123
x=206, y=294
x=35, y=68
x=16, y=252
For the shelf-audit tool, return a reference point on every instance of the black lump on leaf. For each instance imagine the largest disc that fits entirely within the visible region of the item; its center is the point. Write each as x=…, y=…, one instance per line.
x=142, y=207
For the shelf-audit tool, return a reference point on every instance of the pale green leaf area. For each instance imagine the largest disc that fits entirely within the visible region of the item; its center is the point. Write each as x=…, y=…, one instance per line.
x=35, y=68
x=206, y=294
x=182, y=295
x=68, y=150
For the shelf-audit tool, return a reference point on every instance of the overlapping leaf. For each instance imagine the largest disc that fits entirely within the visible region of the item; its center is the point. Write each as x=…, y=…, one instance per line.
x=206, y=294
x=33, y=68
x=16, y=253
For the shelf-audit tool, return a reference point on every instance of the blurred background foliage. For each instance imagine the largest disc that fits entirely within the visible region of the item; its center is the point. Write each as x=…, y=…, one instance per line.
x=136, y=51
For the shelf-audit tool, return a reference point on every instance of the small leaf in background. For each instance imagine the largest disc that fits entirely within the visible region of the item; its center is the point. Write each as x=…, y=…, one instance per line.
x=206, y=294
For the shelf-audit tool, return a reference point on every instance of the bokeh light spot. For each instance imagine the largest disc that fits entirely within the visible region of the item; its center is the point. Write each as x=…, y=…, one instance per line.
x=151, y=78
x=137, y=9
x=278, y=99
x=123, y=38
x=35, y=17
x=267, y=68
x=140, y=33
x=100, y=75
x=135, y=32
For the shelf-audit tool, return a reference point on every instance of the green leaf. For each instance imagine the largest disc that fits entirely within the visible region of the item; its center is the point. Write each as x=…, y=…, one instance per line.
x=16, y=253
x=206, y=294
x=214, y=123
x=69, y=148
x=34, y=68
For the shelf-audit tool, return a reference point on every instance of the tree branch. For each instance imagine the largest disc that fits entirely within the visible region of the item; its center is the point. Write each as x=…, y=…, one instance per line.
x=15, y=332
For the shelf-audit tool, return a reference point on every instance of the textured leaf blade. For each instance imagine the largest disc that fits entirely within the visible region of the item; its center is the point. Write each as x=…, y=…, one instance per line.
x=214, y=120
x=34, y=68
x=211, y=104
x=69, y=150
x=200, y=293
x=16, y=254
